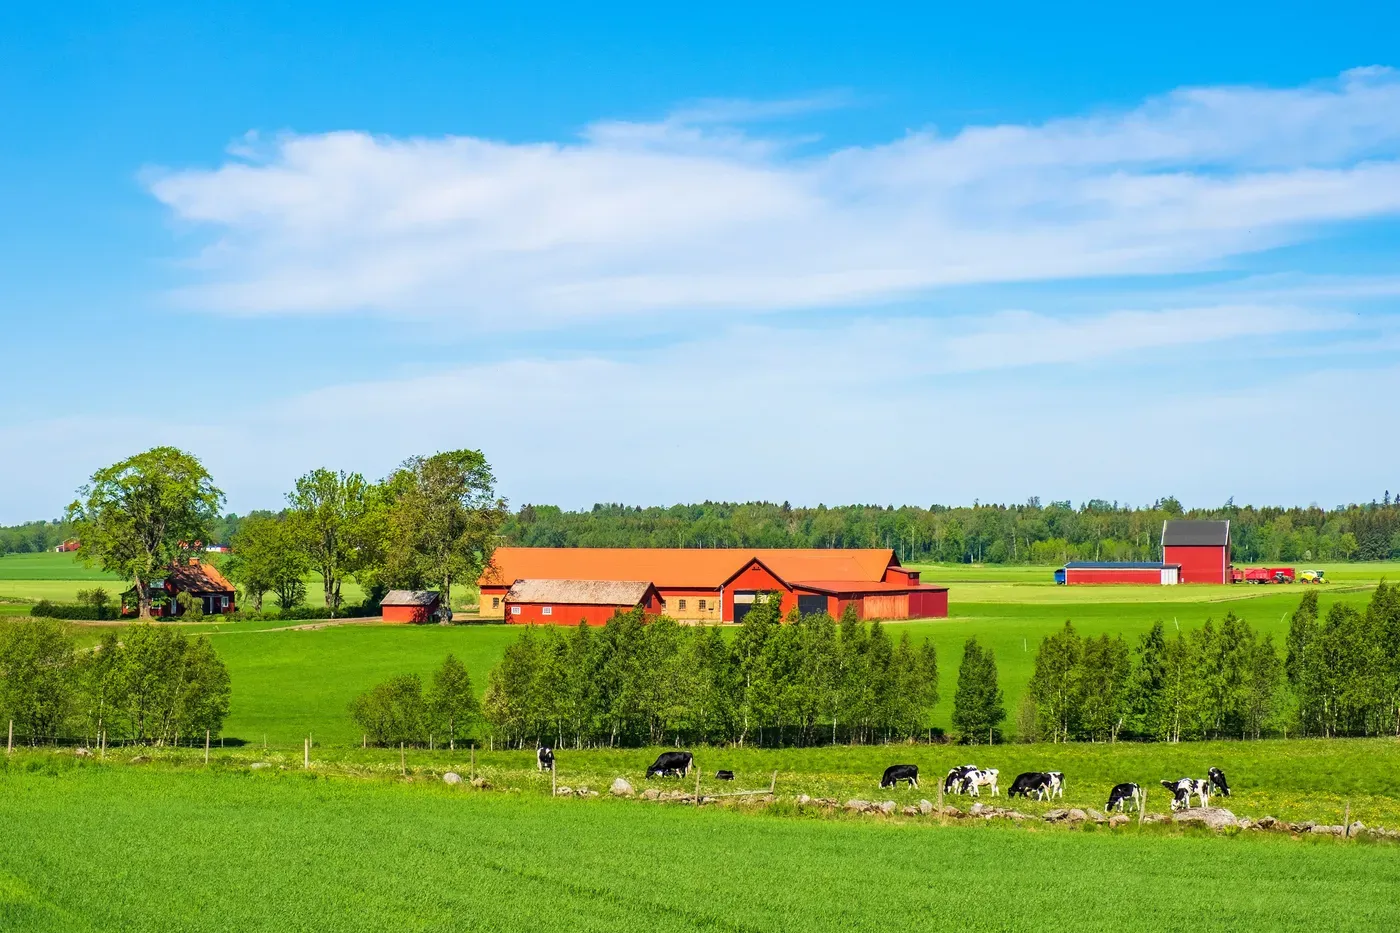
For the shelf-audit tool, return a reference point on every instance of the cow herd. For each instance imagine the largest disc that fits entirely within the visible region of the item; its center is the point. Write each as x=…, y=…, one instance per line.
x=970, y=779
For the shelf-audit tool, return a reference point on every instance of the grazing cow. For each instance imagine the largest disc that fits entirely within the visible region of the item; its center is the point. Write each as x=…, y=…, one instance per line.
x=1183, y=788
x=677, y=763
x=982, y=778
x=1057, y=784
x=724, y=775
x=1030, y=782
x=1217, y=779
x=544, y=758
x=955, y=782
x=1124, y=794
x=896, y=773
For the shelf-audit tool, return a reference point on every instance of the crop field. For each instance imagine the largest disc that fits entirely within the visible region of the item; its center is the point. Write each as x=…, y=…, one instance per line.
x=113, y=846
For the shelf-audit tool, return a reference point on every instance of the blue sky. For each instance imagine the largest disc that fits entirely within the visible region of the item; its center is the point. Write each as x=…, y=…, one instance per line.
x=872, y=254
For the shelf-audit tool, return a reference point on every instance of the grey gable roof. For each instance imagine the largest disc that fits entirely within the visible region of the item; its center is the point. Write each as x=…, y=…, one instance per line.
x=579, y=592
x=1181, y=533
x=409, y=598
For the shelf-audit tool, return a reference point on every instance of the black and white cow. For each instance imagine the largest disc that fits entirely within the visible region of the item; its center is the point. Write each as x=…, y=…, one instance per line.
x=544, y=758
x=955, y=782
x=1057, y=784
x=982, y=777
x=677, y=763
x=724, y=775
x=896, y=773
x=1183, y=788
x=1028, y=783
x=1217, y=780
x=1124, y=794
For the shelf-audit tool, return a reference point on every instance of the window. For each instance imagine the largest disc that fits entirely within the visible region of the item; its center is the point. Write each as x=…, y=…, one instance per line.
x=223, y=602
x=547, y=611
x=495, y=602
x=702, y=605
x=681, y=605
x=515, y=610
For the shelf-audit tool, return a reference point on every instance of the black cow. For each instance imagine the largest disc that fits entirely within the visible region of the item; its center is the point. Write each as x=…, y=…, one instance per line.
x=724, y=775
x=677, y=763
x=1217, y=778
x=544, y=758
x=956, y=781
x=896, y=773
x=1124, y=794
x=1028, y=783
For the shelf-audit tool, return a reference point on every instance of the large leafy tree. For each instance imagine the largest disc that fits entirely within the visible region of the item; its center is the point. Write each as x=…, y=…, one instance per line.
x=332, y=516
x=134, y=517
x=36, y=660
x=267, y=555
x=442, y=520
x=452, y=704
x=977, y=702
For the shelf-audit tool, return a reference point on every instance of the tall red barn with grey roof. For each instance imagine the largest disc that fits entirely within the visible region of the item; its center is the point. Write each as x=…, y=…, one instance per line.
x=1201, y=548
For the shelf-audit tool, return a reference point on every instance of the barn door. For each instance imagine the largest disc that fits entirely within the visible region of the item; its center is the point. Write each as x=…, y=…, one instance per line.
x=743, y=602
x=811, y=604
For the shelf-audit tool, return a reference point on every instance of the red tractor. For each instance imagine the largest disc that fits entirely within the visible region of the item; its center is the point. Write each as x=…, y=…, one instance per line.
x=1267, y=575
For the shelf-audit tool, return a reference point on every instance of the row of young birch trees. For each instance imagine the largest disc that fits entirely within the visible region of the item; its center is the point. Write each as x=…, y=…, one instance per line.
x=1338, y=675
x=802, y=682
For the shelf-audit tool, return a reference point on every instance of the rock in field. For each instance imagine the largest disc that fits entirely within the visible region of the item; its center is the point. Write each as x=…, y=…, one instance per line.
x=563, y=791
x=888, y=807
x=857, y=806
x=1077, y=815
x=139, y=760
x=481, y=784
x=452, y=777
x=1212, y=817
x=259, y=765
x=1054, y=816
x=651, y=793
x=83, y=751
x=925, y=807
x=803, y=800
x=620, y=788
x=910, y=811
x=1118, y=819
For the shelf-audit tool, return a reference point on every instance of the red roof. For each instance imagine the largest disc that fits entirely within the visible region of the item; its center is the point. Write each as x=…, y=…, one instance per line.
x=678, y=568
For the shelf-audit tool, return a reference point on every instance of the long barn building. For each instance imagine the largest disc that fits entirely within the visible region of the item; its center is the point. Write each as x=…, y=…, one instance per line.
x=707, y=584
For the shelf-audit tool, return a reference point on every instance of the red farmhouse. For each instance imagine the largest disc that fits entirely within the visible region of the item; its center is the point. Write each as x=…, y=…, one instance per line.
x=569, y=602
x=202, y=581
x=722, y=584
x=1201, y=548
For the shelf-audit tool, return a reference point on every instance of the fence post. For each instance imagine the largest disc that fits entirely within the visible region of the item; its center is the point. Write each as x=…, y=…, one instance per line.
x=1142, y=808
x=206, y=746
x=102, y=748
x=772, y=785
x=941, y=820
x=1346, y=821
x=403, y=761
x=697, y=787
x=10, y=742
x=472, y=773
x=306, y=752
x=553, y=782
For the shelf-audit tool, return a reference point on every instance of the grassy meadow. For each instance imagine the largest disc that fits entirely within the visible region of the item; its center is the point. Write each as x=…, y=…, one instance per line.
x=110, y=846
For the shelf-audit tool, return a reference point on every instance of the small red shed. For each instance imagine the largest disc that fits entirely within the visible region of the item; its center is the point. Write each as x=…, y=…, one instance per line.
x=568, y=602
x=1202, y=548
x=406, y=606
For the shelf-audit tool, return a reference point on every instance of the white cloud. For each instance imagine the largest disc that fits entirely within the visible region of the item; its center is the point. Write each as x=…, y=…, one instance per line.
x=693, y=214
x=876, y=410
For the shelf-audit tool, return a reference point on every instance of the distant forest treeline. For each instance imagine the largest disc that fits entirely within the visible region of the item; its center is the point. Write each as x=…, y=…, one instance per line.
x=1029, y=533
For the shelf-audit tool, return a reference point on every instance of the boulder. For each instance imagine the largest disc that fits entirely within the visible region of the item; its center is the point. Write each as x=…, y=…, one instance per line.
x=1119, y=819
x=803, y=800
x=563, y=791
x=1097, y=817
x=1321, y=830
x=977, y=809
x=1212, y=817
x=82, y=752
x=452, y=777
x=857, y=805
x=888, y=807
x=925, y=807
x=910, y=811
x=1054, y=816
x=258, y=765
x=651, y=793
x=954, y=812
x=1077, y=815
x=1267, y=822
x=620, y=788
x=1356, y=827
x=586, y=791
x=481, y=783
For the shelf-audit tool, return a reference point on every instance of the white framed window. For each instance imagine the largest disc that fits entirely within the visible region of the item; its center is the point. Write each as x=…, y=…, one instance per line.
x=702, y=605
x=547, y=611
x=223, y=602
x=681, y=605
x=495, y=602
x=515, y=610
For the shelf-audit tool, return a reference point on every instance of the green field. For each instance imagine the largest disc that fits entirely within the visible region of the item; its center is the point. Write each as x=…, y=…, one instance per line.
x=123, y=847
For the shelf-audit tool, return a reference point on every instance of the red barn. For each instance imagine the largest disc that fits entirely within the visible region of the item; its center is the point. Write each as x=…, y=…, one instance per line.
x=1202, y=548
x=722, y=584
x=1121, y=571
x=408, y=606
x=569, y=602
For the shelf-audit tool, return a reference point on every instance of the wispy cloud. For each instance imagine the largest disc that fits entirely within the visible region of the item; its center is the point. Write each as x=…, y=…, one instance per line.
x=696, y=214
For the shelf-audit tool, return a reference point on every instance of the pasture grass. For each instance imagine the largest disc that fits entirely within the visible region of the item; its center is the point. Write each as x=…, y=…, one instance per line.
x=165, y=846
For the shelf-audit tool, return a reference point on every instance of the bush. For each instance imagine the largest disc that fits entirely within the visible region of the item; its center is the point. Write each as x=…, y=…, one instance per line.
x=48, y=609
